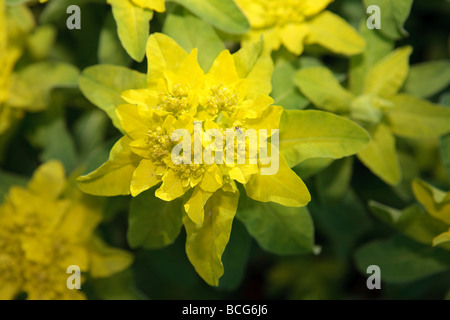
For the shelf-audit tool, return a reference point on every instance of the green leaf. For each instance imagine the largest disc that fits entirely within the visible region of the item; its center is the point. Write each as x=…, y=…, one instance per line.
x=56, y=10
x=402, y=260
x=56, y=143
x=110, y=50
x=190, y=32
x=153, y=223
x=114, y=176
x=132, y=26
x=417, y=118
x=104, y=84
x=278, y=229
x=428, y=78
x=445, y=151
x=412, y=222
x=320, y=86
x=393, y=16
x=334, y=181
x=120, y=286
x=15, y=2
x=222, y=14
x=381, y=156
x=311, y=167
x=89, y=131
x=284, y=92
x=342, y=221
x=317, y=134
x=235, y=257
x=206, y=243
x=32, y=85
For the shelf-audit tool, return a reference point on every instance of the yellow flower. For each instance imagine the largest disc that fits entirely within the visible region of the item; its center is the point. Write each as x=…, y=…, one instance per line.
x=231, y=97
x=179, y=93
x=294, y=23
x=45, y=228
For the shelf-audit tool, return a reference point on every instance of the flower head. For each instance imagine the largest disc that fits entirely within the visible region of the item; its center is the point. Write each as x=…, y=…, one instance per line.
x=183, y=108
x=294, y=23
x=46, y=228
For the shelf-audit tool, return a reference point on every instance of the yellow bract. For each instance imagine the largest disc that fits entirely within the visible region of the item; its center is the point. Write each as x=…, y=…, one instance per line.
x=45, y=228
x=294, y=23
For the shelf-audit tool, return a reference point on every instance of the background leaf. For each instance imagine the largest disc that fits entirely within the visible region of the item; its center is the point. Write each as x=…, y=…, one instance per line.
x=402, y=260
x=110, y=50
x=223, y=14
x=190, y=32
x=393, y=16
x=132, y=26
x=284, y=92
x=318, y=134
x=104, y=84
x=428, y=78
x=153, y=223
x=279, y=229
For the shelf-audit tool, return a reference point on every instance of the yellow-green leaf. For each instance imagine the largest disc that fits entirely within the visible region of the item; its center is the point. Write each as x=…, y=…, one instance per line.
x=114, y=176
x=283, y=187
x=377, y=47
x=104, y=84
x=412, y=221
x=32, y=85
x=132, y=26
x=317, y=134
x=256, y=66
x=435, y=201
x=381, y=156
x=417, y=118
x=320, y=86
x=163, y=53
x=387, y=77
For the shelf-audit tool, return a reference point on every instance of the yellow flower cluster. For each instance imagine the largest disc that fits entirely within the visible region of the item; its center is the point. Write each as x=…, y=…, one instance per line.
x=45, y=228
x=233, y=95
x=294, y=23
x=178, y=94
